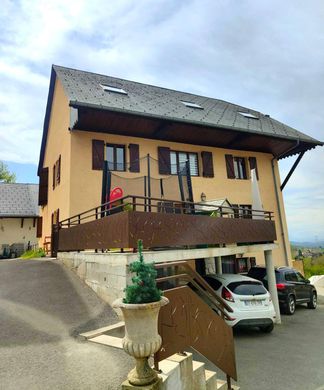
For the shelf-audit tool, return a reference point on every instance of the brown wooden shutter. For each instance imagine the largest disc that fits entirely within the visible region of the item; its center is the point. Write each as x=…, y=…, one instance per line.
x=58, y=170
x=98, y=151
x=39, y=229
x=230, y=166
x=43, y=187
x=207, y=162
x=253, y=165
x=164, y=160
x=54, y=176
x=134, y=158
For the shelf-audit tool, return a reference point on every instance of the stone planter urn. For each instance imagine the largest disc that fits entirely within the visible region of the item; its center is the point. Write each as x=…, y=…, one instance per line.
x=141, y=337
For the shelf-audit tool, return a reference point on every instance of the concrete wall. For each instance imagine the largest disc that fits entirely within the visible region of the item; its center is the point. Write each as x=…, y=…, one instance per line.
x=11, y=231
x=105, y=274
x=108, y=273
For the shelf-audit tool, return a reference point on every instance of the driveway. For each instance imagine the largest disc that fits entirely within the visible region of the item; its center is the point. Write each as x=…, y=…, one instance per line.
x=290, y=358
x=43, y=307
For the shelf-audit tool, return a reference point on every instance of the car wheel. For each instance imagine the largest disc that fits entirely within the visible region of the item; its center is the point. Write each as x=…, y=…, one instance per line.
x=267, y=329
x=291, y=305
x=313, y=302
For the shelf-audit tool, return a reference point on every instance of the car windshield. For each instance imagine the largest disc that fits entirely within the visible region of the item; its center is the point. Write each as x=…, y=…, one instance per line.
x=247, y=288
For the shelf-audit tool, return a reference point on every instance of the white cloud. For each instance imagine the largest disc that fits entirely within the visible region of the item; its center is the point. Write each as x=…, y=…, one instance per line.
x=258, y=54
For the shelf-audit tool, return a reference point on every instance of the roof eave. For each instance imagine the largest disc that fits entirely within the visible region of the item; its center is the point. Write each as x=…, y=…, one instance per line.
x=76, y=104
x=47, y=118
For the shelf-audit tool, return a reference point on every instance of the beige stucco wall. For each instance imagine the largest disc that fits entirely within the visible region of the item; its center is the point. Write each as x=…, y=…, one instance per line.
x=86, y=183
x=11, y=231
x=58, y=143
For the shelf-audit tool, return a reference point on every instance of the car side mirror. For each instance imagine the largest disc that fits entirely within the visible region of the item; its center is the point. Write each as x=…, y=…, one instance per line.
x=307, y=281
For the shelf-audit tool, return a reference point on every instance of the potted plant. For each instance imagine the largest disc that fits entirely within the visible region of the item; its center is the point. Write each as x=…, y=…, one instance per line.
x=140, y=309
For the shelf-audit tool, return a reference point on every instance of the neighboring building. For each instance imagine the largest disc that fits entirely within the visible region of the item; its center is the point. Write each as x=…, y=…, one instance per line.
x=19, y=217
x=91, y=117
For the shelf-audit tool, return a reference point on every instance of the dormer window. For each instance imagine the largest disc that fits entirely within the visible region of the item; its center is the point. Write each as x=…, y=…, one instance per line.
x=110, y=88
x=192, y=105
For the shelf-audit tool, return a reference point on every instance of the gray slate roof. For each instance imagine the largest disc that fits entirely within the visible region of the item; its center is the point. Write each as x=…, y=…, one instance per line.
x=83, y=88
x=19, y=200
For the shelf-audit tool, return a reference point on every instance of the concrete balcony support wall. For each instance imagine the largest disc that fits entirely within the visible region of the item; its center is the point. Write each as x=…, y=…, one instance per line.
x=107, y=273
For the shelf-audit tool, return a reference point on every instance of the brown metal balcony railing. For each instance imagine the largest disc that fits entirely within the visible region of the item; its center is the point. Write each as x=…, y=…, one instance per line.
x=161, y=223
x=188, y=321
x=142, y=203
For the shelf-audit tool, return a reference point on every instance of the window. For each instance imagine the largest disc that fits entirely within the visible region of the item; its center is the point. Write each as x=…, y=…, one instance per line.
x=192, y=105
x=240, y=168
x=110, y=88
x=300, y=277
x=248, y=115
x=246, y=210
x=115, y=156
x=247, y=288
x=214, y=283
x=178, y=162
x=291, y=277
x=242, y=264
x=242, y=210
x=57, y=173
x=229, y=264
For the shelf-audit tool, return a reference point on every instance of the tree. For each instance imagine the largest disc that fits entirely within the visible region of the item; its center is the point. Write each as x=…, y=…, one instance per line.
x=5, y=175
x=143, y=289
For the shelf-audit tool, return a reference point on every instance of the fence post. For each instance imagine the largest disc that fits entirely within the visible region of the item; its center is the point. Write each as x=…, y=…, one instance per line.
x=149, y=181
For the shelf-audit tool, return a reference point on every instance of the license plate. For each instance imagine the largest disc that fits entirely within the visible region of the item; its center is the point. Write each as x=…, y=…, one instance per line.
x=253, y=303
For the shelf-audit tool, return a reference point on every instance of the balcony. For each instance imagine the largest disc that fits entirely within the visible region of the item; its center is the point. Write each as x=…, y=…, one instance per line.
x=161, y=223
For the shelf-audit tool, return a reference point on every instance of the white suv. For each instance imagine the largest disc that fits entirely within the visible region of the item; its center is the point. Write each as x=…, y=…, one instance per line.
x=250, y=301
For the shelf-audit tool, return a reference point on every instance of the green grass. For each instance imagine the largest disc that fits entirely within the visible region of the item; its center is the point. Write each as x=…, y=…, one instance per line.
x=313, y=266
x=33, y=253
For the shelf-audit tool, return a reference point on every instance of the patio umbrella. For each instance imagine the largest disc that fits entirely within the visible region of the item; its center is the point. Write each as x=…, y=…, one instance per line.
x=256, y=198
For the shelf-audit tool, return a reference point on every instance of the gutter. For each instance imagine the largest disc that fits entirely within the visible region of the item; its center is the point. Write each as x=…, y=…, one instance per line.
x=278, y=200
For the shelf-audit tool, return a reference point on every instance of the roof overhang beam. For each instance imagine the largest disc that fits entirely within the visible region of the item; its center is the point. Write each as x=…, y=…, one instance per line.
x=292, y=169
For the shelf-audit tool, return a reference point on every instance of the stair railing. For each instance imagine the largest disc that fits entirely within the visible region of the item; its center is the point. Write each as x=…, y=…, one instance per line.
x=185, y=290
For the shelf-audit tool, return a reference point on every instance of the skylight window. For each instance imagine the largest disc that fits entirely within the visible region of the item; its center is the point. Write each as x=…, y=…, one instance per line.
x=191, y=105
x=248, y=115
x=110, y=88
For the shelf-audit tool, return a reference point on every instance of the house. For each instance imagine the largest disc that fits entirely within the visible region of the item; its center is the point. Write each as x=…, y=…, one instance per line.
x=91, y=117
x=195, y=178
x=19, y=218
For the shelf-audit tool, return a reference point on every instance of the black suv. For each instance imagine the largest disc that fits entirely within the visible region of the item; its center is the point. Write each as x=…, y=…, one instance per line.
x=292, y=287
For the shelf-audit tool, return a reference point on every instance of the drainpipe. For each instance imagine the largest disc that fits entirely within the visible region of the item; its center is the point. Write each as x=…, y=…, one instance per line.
x=278, y=200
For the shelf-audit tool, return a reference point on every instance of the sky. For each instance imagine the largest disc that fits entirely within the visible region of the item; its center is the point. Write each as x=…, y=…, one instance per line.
x=265, y=55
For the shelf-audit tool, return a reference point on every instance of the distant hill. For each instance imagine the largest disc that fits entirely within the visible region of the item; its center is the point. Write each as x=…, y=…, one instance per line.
x=308, y=244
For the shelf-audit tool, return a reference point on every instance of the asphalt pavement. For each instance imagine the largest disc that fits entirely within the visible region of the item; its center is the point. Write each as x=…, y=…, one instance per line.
x=289, y=358
x=43, y=307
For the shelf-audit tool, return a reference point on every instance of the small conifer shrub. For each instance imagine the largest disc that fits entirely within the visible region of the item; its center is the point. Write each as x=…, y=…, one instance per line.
x=143, y=289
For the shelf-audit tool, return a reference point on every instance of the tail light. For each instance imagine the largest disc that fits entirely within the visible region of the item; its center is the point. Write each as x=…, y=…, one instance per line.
x=280, y=286
x=227, y=295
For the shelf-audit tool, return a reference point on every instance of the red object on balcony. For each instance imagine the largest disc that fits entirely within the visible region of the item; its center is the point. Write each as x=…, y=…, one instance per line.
x=115, y=194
